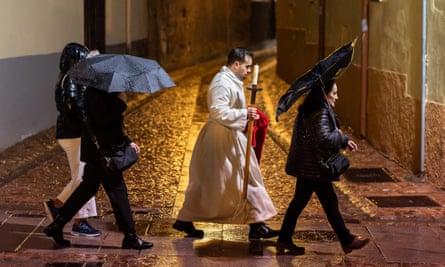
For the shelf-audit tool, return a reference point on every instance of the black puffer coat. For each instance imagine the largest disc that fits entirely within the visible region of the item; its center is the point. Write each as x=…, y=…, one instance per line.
x=314, y=138
x=69, y=96
x=69, y=103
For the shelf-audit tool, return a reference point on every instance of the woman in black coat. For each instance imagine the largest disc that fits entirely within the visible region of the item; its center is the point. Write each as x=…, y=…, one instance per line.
x=69, y=103
x=104, y=115
x=315, y=138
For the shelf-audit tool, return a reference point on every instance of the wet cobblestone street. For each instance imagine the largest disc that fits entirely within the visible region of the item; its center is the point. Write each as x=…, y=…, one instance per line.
x=165, y=125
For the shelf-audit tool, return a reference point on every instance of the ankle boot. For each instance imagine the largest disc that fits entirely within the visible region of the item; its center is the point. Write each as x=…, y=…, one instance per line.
x=55, y=230
x=291, y=247
x=357, y=243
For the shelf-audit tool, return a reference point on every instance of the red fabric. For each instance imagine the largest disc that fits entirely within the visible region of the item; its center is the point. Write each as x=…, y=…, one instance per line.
x=259, y=134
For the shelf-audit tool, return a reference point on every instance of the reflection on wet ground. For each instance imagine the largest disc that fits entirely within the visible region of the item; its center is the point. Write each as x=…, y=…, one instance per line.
x=165, y=125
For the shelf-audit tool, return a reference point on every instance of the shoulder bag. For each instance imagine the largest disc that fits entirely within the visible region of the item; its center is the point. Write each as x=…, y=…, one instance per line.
x=122, y=156
x=337, y=163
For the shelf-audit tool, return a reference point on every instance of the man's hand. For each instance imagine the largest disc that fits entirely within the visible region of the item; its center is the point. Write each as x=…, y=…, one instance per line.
x=252, y=113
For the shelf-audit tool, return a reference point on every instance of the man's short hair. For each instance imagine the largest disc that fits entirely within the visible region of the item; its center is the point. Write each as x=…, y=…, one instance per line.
x=238, y=54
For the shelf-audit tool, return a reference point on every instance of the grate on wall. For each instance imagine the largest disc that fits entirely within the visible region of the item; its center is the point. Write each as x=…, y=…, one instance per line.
x=403, y=201
x=369, y=175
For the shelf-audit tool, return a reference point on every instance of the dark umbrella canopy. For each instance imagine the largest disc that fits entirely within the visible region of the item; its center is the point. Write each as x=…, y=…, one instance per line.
x=329, y=68
x=121, y=73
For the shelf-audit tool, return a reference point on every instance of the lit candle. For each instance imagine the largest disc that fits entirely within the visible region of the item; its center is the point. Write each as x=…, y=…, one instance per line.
x=256, y=69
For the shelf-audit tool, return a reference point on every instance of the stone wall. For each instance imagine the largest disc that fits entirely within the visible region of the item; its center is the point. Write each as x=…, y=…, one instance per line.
x=435, y=143
x=394, y=85
x=182, y=32
x=393, y=117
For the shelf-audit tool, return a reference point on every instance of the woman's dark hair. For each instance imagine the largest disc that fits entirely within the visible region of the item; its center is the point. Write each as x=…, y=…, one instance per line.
x=238, y=54
x=316, y=97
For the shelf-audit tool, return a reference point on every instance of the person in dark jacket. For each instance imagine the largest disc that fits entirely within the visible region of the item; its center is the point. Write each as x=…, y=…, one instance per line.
x=104, y=119
x=315, y=138
x=69, y=103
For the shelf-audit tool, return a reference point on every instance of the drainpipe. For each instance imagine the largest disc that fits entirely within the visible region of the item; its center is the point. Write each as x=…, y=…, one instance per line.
x=364, y=69
x=321, y=28
x=128, y=26
x=423, y=99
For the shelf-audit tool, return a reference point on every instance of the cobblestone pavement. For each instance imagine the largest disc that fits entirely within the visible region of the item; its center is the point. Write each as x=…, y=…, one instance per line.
x=165, y=125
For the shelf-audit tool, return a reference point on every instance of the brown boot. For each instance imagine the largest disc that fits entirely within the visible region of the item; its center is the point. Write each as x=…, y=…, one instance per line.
x=357, y=243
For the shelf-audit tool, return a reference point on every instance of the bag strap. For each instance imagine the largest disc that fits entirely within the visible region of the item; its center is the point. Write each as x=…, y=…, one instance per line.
x=95, y=141
x=334, y=122
x=332, y=116
x=330, y=111
x=63, y=79
x=91, y=133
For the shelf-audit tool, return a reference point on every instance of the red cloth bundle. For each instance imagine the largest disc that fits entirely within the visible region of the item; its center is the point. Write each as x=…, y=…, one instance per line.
x=259, y=134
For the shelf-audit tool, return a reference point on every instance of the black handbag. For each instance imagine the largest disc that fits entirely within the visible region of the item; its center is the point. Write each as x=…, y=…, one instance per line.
x=122, y=157
x=335, y=165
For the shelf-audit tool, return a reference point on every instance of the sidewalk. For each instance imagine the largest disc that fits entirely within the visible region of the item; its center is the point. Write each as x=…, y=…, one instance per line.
x=397, y=213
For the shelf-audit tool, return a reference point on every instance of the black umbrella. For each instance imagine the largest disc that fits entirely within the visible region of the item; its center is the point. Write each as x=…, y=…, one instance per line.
x=329, y=68
x=121, y=73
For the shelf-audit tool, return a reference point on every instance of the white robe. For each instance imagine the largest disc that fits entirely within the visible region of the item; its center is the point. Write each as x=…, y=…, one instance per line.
x=217, y=164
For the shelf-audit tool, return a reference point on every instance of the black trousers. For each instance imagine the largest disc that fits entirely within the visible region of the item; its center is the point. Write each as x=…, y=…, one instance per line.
x=328, y=199
x=113, y=184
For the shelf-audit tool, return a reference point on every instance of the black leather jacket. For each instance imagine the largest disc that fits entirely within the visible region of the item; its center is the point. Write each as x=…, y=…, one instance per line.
x=314, y=138
x=69, y=103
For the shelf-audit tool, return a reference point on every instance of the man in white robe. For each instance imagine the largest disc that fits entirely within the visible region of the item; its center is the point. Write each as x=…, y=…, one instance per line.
x=214, y=192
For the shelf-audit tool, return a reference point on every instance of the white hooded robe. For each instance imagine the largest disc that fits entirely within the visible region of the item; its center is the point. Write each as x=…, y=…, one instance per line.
x=216, y=171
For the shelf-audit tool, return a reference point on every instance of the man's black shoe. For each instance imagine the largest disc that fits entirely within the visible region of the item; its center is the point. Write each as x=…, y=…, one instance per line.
x=189, y=229
x=55, y=231
x=260, y=230
x=132, y=241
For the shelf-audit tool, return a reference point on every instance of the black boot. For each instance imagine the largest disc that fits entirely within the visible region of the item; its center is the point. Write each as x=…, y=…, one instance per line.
x=188, y=228
x=55, y=230
x=291, y=247
x=132, y=241
x=260, y=230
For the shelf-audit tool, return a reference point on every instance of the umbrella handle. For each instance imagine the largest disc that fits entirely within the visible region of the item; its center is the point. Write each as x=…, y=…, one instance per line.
x=248, y=153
